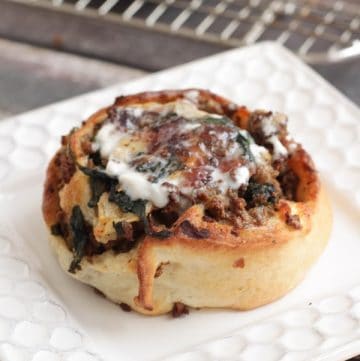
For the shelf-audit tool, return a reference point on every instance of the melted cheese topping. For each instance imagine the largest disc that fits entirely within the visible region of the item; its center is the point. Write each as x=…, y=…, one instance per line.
x=227, y=181
x=156, y=149
x=136, y=185
x=270, y=128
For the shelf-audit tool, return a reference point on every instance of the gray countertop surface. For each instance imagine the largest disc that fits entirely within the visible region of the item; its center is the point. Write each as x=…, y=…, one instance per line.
x=31, y=77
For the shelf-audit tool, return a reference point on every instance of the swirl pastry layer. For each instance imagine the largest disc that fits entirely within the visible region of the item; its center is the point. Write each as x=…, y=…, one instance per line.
x=182, y=198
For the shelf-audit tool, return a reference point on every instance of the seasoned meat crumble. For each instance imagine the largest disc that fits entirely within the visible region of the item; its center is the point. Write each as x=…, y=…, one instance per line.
x=157, y=161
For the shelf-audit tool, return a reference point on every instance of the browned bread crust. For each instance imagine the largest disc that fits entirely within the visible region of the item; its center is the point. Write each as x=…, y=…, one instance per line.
x=201, y=263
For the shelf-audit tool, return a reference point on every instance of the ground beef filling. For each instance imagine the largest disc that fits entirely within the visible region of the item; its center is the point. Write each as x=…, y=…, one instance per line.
x=210, y=153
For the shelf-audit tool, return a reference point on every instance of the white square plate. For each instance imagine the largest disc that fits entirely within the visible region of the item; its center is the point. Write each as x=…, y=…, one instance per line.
x=46, y=316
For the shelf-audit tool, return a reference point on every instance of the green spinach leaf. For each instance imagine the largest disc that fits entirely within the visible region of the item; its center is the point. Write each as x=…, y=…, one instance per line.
x=171, y=166
x=126, y=204
x=96, y=173
x=217, y=121
x=137, y=207
x=245, y=145
x=260, y=194
x=56, y=229
x=98, y=187
x=148, y=167
x=96, y=158
x=99, y=181
x=79, y=237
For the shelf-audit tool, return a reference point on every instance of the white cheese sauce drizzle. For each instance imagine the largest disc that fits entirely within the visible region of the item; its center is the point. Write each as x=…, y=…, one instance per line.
x=107, y=139
x=269, y=127
x=231, y=181
x=118, y=147
x=192, y=95
x=136, y=185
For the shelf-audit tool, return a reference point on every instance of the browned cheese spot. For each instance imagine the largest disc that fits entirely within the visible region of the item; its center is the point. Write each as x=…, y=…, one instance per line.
x=99, y=293
x=179, y=309
x=160, y=269
x=191, y=231
x=125, y=307
x=239, y=263
x=293, y=220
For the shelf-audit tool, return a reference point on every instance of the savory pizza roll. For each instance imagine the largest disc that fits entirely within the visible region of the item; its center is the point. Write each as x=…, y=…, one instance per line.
x=182, y=198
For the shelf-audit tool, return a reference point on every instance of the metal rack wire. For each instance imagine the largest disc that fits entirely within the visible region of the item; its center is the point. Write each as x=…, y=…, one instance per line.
x=318, y=30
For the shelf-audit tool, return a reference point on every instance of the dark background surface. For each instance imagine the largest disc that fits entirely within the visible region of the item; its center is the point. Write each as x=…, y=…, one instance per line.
x=87, y=53
x=31, y=76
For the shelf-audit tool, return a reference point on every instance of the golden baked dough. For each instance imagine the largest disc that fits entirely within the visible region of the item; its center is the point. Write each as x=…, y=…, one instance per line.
x=175, y=198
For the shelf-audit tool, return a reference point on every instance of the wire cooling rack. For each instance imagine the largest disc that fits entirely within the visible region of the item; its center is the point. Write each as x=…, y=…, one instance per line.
x=318, y=30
